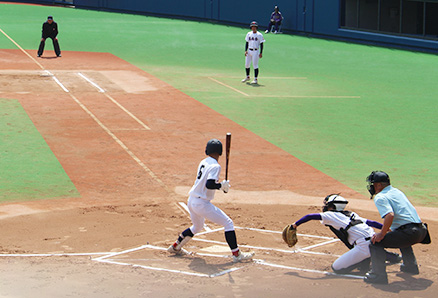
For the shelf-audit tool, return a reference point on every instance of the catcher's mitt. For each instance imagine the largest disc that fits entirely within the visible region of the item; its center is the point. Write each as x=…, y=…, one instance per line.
x=290, y=235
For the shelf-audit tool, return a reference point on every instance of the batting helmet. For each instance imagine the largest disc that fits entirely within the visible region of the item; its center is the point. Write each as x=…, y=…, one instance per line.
x=253, y=24
x=213, y=146
x=334, y=201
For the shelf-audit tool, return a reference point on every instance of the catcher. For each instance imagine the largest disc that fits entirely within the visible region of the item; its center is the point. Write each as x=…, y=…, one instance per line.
x=355, y=232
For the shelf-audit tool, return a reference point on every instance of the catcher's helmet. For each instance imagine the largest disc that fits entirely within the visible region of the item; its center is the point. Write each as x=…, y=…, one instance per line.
x=335, y=201
x=253, y=24
x=213, y=146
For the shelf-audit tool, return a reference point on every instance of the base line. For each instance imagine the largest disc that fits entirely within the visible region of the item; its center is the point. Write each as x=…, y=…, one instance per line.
x=13, y=41
x=308, y=96
x=223, y=84
x=56, y=254
x=91, y=82
x=114, y=101
x=261, y=262
x=118, y=141
x=59, y=83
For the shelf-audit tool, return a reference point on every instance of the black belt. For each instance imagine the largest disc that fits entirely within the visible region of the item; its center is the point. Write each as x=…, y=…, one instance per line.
x=367, y=238
x=410, y=225
x=253, y=49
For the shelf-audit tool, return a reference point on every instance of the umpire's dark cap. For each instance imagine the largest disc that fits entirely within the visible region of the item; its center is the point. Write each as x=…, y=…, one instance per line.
x=50, y=18
x=378, y=176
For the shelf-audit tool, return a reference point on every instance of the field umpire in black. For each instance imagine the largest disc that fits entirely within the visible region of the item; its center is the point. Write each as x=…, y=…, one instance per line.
x=50, y=30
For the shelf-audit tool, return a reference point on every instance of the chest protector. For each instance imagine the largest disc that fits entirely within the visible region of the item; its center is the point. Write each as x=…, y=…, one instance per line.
x=342, y=233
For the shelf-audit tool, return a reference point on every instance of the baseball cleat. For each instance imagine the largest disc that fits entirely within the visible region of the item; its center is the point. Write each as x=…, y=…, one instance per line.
x=243, y=256
x=393, y=258
x=245, y=79
x=178, y=252
x=412, y=269
x=373, y=278
x=267, y=31
x=255, y=81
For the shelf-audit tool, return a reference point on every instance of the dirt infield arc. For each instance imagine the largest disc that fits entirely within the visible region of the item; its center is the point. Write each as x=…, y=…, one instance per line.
x=130, y=143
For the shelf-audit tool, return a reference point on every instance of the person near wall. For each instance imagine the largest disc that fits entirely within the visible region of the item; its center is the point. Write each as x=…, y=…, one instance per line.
x=275, y=20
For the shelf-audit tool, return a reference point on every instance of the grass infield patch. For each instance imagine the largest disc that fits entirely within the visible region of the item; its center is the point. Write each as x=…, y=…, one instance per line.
x=29, y=169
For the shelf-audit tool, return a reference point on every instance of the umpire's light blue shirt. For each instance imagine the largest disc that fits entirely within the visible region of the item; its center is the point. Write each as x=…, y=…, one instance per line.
x=390, y=199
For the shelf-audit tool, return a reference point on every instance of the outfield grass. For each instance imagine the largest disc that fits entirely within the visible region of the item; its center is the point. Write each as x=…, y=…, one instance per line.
x=29, y=170
x=390, y=125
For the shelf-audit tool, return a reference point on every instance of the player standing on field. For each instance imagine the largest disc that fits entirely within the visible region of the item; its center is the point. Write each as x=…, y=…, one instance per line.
x=201, y=208
x=253, y=51
x=50, y=30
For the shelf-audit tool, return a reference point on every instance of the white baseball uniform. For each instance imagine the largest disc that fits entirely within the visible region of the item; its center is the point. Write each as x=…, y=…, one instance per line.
x=254, y=41
x=358, y=235
x=200, y=197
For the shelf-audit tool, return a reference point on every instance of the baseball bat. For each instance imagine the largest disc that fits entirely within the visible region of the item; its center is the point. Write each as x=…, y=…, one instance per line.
x=227, y=153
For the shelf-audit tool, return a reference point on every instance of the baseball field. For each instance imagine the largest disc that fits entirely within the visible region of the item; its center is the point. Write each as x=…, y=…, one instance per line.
x=99, y=148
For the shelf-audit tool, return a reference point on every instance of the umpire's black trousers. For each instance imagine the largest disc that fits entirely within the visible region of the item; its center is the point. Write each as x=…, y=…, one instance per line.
x=55, y=46
x=403, y=238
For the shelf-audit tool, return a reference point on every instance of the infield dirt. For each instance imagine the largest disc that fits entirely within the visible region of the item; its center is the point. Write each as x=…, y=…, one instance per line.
x=132, y=153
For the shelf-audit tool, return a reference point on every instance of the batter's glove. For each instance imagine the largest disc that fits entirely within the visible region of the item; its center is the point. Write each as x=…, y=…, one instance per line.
x=290, y=235
x=225, y=186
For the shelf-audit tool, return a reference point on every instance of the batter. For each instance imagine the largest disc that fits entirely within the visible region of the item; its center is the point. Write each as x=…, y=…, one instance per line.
x=253, y=51
x=201, y=208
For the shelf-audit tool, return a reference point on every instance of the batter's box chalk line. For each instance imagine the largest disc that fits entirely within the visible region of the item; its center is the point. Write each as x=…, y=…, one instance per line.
x=107, y=259
x=110, y=257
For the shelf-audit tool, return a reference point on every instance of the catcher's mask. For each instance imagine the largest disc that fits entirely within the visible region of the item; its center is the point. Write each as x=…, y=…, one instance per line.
x=334, y=201
x=213, y=146
x=376, y=176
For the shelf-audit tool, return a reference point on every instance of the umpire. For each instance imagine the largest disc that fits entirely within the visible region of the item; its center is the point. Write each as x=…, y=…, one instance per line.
x=402, y=228
x=50, y=30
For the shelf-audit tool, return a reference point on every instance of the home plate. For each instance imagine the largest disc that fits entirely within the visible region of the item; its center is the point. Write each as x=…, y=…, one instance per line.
x=216, y=249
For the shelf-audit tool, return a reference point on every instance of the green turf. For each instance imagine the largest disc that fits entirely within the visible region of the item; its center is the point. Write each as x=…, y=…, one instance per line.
x=391, y=127
x=29, y=169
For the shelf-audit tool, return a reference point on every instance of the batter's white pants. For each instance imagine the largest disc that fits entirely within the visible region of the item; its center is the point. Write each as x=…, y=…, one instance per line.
x=202, y=209
x=358, y=253
x=252, y=56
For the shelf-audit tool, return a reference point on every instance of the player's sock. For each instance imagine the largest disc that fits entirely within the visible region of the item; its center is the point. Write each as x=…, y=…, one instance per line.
x=231, y=238
x=256, y=72
x=187, y=232
x=235, y=252
x=247, y=72
x=185, y=237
